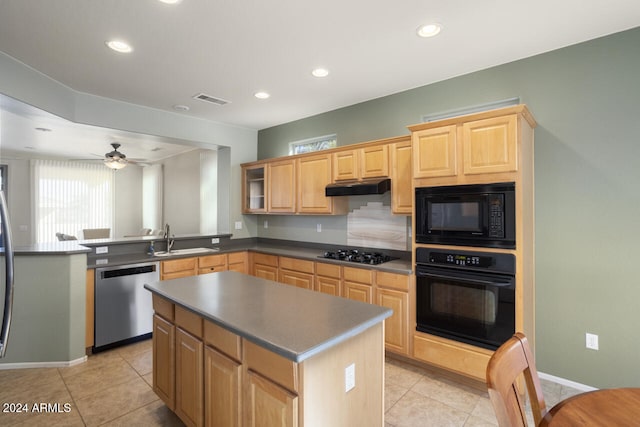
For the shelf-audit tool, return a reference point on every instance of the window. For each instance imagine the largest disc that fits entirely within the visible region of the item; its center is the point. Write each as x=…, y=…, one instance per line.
x=313, y=144
x=70, y=197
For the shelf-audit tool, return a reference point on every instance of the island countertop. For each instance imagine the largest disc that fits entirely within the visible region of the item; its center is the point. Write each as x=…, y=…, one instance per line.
x=292, y=322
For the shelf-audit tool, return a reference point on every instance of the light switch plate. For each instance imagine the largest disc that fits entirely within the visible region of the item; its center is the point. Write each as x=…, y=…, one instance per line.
x=238, y=225
x=102, y=250
x=349, y=377
x=215, y=240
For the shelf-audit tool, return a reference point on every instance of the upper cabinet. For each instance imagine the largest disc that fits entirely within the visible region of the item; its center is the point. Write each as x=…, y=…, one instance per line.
x=475, y=148
x=314, y=174
x=254, y=189
x=281, y=187
x=401, y=179
x=361, y=163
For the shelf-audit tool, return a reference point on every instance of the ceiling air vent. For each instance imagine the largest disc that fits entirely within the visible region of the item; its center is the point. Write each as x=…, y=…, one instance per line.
x=212, y=99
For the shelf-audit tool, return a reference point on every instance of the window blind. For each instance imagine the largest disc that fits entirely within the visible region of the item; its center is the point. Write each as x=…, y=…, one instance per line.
x=71, y=196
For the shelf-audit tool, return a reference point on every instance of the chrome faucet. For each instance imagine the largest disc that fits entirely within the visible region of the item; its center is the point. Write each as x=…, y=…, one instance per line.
x=167, y=237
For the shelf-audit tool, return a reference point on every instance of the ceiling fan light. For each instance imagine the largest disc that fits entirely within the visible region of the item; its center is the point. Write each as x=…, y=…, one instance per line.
x=115, y=163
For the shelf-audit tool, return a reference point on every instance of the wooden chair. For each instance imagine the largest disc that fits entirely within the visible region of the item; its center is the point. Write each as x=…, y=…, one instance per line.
x=96, y=233
x=512, y=359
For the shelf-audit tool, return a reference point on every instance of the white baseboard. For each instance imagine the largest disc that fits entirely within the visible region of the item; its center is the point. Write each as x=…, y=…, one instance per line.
x=565, y=382
x=27, y=365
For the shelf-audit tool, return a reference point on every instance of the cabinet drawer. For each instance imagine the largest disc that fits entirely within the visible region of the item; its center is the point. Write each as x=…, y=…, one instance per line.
x=176, y=265
x=359, y=275
x=189, y=321
x=265, y=259
x=296, y=264
x=225, y=341
x=163, y=307
x=391, y=280
x=327, y=270
x=237, y=257
x=277, y=368
x=212, y=261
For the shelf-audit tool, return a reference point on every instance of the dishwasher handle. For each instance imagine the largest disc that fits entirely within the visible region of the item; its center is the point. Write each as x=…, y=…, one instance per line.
x=129, y=271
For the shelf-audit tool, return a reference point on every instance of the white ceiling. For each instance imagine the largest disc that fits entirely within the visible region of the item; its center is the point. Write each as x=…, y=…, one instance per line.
x=231, y=49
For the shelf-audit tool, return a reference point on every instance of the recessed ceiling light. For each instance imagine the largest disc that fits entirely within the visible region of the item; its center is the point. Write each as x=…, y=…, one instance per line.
x=170, y=1
x=320, y=72
x=261, y=95
x=119, y=46
x=181, y=107
x=429, y=30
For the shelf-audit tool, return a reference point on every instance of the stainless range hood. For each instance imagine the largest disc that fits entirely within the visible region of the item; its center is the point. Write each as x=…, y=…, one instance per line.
x=358, y=188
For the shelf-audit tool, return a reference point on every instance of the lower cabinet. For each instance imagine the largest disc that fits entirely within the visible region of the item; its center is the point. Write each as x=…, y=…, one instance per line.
x=176, y=268
x=358, y=284
x=189, y=378
x=210, y=376
x=296, y=272
x=222, y=390
x=237, y=261
x=265, y=266
x=329, y=278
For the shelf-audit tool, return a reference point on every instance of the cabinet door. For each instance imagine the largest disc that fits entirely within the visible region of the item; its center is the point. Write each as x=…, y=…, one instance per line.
x=401, y=178
x=295, y=278
x=490, y=145
x=396, y=336
x=222, y=391
x=329, y=285
x=212, y=263
x=189, y=379
x=345, y=165
x=269, y=405
x=358, y=292
x=281, y=185
x=184, y=267
x=265, y=266
x=434, y=152
x=164, y=360
x=374, y=162
x=314, y=173
x=237, y=261
x=254, y=189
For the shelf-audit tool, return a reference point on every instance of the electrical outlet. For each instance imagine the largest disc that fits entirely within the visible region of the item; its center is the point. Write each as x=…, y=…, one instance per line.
x=266, y=224
x=102, y=249
x=592, y=341
x=349, y=377
x=238, y=225
x=319, y=228
x=215, y=240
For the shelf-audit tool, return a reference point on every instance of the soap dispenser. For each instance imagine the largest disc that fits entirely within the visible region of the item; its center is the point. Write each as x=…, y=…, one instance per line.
x=151, y=250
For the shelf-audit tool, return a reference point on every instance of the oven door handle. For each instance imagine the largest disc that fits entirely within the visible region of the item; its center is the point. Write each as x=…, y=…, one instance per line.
x=498, y=283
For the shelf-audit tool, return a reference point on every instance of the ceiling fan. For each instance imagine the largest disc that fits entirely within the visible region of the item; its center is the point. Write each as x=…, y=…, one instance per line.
x=116, y=159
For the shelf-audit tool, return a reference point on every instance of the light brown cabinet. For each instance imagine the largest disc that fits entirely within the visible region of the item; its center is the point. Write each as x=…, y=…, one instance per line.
x=189, y=378
x=181, y=267
x=281, y=187
x=212, y=263
x=401, y=178
x=296, y=272
x=392, y=291
x=489, y=145
x=264, y=266
x=269, y=404
x=254, y=190
x=164, y=358
x=361, y=163
x=238, y=261
x=358, y=284
x=329, y=278
x=313, y=175
x=222, y=390
x=435, y=152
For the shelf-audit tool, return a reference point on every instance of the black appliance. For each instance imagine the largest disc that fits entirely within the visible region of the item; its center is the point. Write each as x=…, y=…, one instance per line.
x=466, y=296
x=354, y=255
x=358, y=188
x=468, y=215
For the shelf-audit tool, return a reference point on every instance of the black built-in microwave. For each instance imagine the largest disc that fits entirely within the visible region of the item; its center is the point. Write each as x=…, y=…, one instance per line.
x=468, y=215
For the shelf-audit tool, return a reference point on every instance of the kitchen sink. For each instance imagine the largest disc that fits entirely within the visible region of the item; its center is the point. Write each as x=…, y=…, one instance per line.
x=190, y=251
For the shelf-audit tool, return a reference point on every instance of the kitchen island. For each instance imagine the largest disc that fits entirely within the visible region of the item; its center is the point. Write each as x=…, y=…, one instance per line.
x=232, y=349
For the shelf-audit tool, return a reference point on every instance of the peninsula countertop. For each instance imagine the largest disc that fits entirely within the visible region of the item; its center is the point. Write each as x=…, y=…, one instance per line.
x=292, y=322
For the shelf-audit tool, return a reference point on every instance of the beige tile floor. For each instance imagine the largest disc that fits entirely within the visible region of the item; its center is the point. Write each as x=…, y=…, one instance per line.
x=114, y=389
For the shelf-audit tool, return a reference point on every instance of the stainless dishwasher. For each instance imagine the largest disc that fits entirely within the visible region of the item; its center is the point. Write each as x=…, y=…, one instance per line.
x=123, y=308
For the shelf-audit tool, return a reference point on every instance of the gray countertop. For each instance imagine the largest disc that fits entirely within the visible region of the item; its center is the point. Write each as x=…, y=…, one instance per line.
x=400, y=266
x=292, y=322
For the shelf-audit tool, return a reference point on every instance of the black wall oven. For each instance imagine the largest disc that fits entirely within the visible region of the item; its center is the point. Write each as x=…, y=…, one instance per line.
x=466, y=296
x=467, y=215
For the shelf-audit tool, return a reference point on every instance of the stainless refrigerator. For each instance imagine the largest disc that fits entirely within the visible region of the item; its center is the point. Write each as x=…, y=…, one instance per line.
x=6, y=293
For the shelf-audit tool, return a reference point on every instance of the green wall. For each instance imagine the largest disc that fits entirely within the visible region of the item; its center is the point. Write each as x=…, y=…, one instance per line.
x=587, y=163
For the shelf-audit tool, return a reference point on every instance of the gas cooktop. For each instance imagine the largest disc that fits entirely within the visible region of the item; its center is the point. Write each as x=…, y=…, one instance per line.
x=354, y=255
